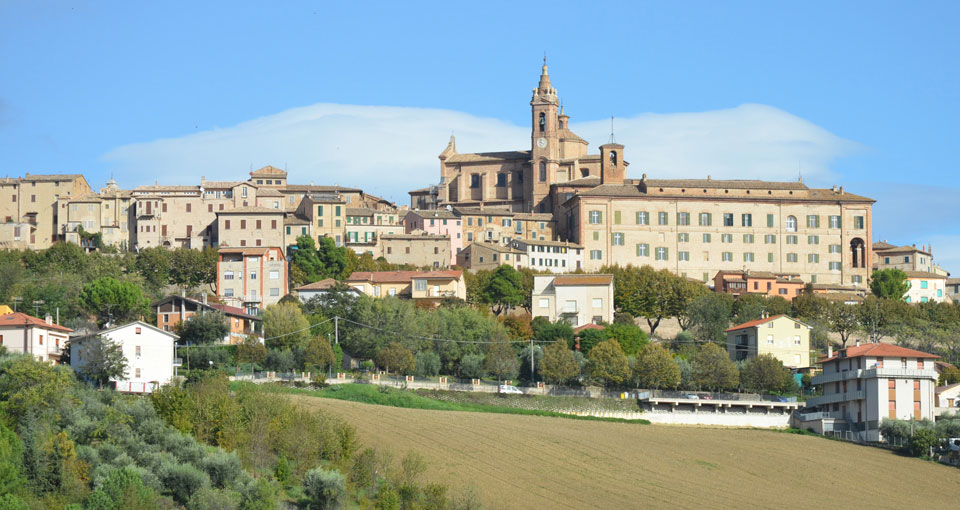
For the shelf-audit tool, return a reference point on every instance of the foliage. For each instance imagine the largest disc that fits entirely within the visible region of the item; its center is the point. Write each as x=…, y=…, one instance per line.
x=713, y=369
x=397, y=359
x=950, y=375
x=590, y=337
x=112, y=300
x=251, y=351
x=11, y=460
x=748, y=307
x=472, y=366
x=709, y=317
x=501, y=359
x=427, y=363
x=765, y=373
x=889, y=284
x=630, y=337
x=191, y=268
x=29, y=386
x=284, y=326
x=154, y=265
x=314, y=263
x=318, y=354
x=103, y=359
x=546, y=331
x=842, y=319
x=325, y=489
x=203, y=329
x=922, y=441
x=654, y=295
x=503, y=290
x=656, y=369
x=518, y=326
x=559, y=365
x=608, y=364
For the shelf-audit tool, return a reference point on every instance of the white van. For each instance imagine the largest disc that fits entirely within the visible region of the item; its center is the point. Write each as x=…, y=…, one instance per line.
x=506, y=389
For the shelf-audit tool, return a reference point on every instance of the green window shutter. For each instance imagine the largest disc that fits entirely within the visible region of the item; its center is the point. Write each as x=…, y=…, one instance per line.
x=770, y=220
x=319, y=210
x=600, y=216
x=616, y=217
x=709, y=219
x=288, y=230
x=596, y=236
x=769, y=257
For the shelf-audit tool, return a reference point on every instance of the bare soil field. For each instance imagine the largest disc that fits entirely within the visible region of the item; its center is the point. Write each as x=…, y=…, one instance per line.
x=525, y=462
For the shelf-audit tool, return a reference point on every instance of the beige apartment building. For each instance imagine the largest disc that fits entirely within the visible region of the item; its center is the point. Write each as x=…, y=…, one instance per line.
x=250, y=226
x=502, y=226
x=696, y=227
x=416, y=250
x=251, y=278
x=553, y=256
x=422, y=286
x=479, y=256
x=108, y=213
x=905, y=258
x=41, y=338
x=785, y=338
x=579, y=299
x=29, y=208
x=326, y=213
x=365, y=226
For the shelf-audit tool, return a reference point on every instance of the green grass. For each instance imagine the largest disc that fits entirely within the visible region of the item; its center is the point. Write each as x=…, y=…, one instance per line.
x=395, y=397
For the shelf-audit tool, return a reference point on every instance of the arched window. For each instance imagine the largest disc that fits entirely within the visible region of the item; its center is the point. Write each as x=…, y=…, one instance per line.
x=857, y=253
x=613, y=158
x=791, y=223
x=543, y=122
x=543, y=171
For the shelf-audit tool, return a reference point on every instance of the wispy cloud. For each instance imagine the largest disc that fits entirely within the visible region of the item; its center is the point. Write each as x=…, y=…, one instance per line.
x=389, y=150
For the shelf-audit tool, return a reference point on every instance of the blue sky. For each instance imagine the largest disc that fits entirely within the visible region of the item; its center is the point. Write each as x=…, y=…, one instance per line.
x=862, y=94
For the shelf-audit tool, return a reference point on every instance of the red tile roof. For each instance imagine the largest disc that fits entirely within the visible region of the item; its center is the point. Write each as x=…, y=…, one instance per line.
x=400, y=276
x=587, y=326
x=22, y=319
x=582, y=279
x=320, y=285
x=755, y=322
x=880, y=350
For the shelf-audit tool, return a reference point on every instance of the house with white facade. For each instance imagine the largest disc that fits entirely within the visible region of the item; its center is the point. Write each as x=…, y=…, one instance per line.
x=577, y=298
x=865, y=384
x=149, y=352
x=553, y=256
x=785, y=338
x=24, y=334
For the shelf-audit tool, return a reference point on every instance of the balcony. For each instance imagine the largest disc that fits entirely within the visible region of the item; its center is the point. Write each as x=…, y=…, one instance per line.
x=837, y=397
x=872, y=373
x=567, y=309
x=178, y=362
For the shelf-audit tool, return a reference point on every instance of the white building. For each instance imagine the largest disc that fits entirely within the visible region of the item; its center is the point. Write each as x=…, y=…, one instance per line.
x=320, y=289
x=149, y=352
x=864, y=384
x=577, y=298
x=926, y=286
x=25, y=334
x=553, y=256
x=783, y=337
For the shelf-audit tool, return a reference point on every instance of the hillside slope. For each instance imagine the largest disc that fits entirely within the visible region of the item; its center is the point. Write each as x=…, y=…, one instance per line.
x=538, y=462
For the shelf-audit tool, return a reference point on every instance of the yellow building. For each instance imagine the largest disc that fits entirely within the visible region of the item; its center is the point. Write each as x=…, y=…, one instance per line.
x=785, y=338
x=29, y=207
x=424, y=286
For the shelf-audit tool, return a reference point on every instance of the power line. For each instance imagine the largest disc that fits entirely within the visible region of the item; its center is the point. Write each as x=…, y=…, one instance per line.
x=438, y=339
x=298, y=331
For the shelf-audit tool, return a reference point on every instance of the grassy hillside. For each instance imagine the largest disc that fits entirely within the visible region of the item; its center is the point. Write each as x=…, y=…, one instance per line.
x=540, y=462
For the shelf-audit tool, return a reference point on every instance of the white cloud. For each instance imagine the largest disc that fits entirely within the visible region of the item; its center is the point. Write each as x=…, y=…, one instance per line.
x=390, y=150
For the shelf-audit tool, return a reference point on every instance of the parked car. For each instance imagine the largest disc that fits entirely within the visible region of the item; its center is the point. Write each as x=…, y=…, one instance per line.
x=692, y=396
x=707, y=397
x=506, y=389
x=954, y=444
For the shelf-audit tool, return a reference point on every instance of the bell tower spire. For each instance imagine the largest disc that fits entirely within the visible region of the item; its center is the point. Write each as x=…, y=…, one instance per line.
x=544, y=144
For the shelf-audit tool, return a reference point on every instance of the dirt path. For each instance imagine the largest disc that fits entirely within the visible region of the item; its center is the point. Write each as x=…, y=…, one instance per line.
x=527, y=462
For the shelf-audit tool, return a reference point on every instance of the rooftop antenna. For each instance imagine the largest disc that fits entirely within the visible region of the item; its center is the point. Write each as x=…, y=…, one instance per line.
x=799, y=173
x=613, y=139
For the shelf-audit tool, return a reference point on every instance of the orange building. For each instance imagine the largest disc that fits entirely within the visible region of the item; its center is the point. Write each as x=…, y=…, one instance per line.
x=174, y=309
x=785, y=285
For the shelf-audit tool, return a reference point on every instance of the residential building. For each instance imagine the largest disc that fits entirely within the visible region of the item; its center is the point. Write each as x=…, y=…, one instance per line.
x=293, y=227
x=577, y=298
x=847, y=294
x=41, y=338
x=250, y=226
x=148, y=350
x=318, y=289
x=422, y=286
x=496, y=225
x=905, y=258
x=251, y=278
x=32, y=203
x=786, y=338
x=108, y=213
x=787, y=286
x=365, y=226
x=416, y=249
x=953, y=289
x=326, y=213
x=479, y=255
x=948, y=399
x=925, y=286
x=866, y=383
x=441, y=222
x=553, y=256
x=172, y=310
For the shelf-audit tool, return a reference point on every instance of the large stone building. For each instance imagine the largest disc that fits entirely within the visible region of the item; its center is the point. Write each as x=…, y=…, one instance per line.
x=30, y=208
x=251, y=278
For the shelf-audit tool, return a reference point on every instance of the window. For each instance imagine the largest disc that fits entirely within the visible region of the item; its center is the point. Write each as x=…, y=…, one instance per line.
x=857, y=279
x=706, y=238
x=727, y=219
x=597, y=303
x=228, y=292
x=474, y=180
x=662, y=254
x=858, y=222
x=618, y=238
x=769, y=257
x=243, y=192
x=138, y=331
x=923, y=284
x=596, y=217
x=258, y=224
x=770, y=338
x=813, y=221
x=906, y=259
x=791, y=239
x=683, y=218
x=662, y=218
x=791, y=257
x=769, y=239
x=228, y=275
x=595, y=255
x=746, y=220
x=274, y=275
x=337, y=211
x=813, y=239
x=501, y=180
x=643, y=218
x=643, y=250
x=683, y=256
x=835, y=248
x=616, y=217
x=420, y=285
x=253, y=275
x=834, y=222
x=226, y=224
x=243, y=224
x=726, y=238
x=834, y=266
x=748, y=238
x=705, y=219
x=748, y=257
x=683, y=237
x=544, y=303
x=813, y=258
x=791, y=224
x=543, y=171
x=770, y=220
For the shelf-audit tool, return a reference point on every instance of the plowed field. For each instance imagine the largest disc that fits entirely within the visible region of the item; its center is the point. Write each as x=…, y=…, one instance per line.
x=524, y=462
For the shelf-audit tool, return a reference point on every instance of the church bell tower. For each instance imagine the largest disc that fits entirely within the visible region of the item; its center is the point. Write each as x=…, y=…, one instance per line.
x=544, y=145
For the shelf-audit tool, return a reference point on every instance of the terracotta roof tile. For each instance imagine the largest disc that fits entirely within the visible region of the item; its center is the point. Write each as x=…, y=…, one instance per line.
x=482, y=157
x=880, y=350
x=582, y=279
x=320, y=285
x=22, y=319
x=755, y=322
x=401, y=276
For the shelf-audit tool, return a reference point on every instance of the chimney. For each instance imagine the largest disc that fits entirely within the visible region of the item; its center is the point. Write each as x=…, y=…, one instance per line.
x=204, y=298
x=841, y=190
x=829, y=350
x=857, y=343
x=48, y=319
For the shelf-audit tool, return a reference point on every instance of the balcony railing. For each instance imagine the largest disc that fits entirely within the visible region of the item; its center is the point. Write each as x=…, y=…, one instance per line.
x=837, y=397
x=874, y=372
x=178, y=362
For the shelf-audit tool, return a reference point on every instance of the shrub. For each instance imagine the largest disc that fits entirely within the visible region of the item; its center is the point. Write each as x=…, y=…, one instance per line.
x=182, y=480
x=223, y=468
x=427, y=363
x=325, y=489
x=922, y=440
x=12, y=502
x=214, y=499
x=471, y=366
x=260, y=495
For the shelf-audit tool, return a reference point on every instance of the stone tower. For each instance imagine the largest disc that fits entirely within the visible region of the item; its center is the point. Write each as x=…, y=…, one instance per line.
x=544, y=144
x=612, y=166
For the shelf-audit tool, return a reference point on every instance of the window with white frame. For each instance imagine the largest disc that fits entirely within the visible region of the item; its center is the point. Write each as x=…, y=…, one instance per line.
x=643, y=250
x=420, y=285
x=791, y=257
x=597, y=303
x=595, y=217
x=683, y=256
x=727, y=256
x=834, y=221
x=643, y=218
x=662, y=254
x=791, y=224
x=618, y=238
x=596, y=255
x=748, y=257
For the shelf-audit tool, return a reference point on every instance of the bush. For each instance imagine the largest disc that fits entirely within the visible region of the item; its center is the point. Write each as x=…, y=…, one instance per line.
x=214, y=499
x=280, y=361
x=260, y=495
x=472, y=366
x=922, y=441
x=427, y=363
x=223, y=468
x=325, y=489
x=182, y=480
x=12, y=502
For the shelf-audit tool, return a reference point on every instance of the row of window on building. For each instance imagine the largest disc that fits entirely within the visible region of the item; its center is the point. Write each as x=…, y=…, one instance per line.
x=618, y=238
x=706, y=220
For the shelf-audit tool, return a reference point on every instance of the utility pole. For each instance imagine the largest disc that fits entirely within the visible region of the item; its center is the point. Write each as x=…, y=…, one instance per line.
x=16, y=299
x=533, y=378
x=36, y=307
x=336, y=329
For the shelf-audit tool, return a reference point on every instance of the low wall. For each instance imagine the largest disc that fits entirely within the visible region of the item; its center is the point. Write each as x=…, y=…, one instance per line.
x=751, y=420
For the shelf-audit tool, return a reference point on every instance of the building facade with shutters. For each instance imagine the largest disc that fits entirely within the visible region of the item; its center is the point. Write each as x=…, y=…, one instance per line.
x=251, y=278
x=579, y=299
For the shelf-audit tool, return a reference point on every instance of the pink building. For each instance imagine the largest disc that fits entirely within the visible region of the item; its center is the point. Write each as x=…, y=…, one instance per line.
x=437, y=221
